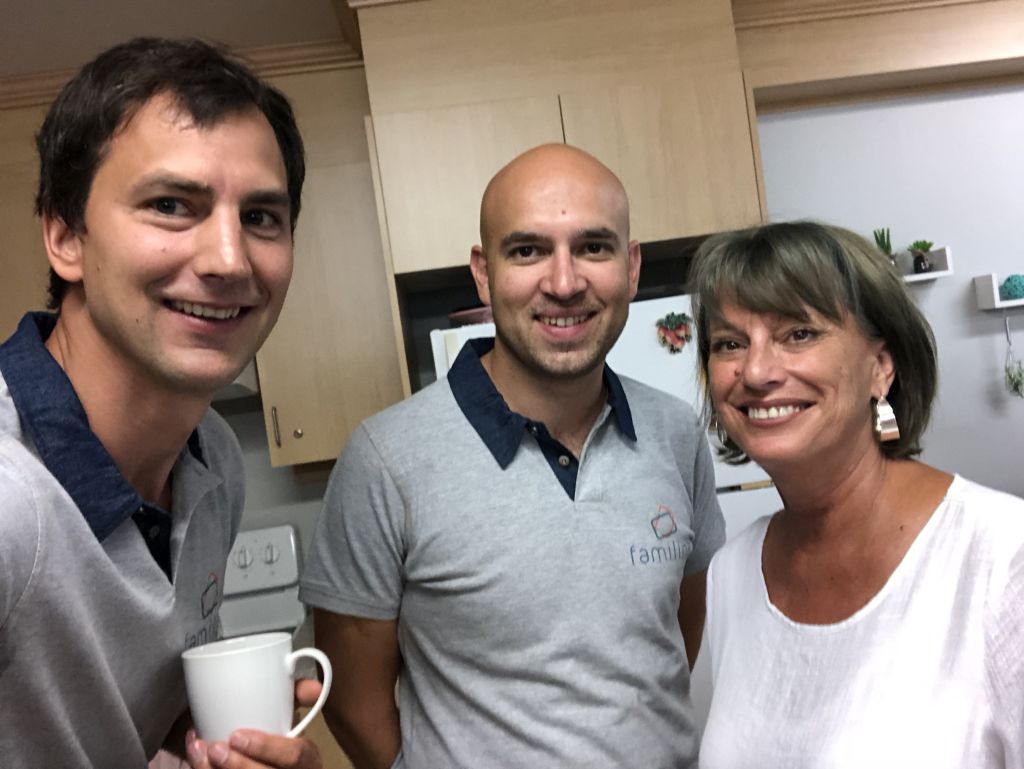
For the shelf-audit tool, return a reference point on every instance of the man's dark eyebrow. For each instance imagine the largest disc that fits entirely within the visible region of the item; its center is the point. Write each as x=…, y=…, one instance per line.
x=274, y=198
x=598, y=233
x=161, y=182
x=173, y=183
x=520, y=237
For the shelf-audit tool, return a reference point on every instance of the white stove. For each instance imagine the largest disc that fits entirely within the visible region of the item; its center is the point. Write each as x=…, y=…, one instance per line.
x=261, y=583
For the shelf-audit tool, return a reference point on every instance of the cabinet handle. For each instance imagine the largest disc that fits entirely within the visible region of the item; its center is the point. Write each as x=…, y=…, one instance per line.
x=277, y=430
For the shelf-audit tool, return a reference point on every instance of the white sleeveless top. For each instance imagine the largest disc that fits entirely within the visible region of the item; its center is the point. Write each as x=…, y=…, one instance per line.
x=929, y=674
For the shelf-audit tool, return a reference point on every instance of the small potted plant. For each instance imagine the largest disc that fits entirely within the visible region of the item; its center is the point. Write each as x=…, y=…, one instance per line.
x=920, y=250
x=884, y=243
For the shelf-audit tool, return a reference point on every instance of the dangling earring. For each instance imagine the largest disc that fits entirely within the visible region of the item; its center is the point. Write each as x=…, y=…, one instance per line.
x=720, y=432
x=886, y=428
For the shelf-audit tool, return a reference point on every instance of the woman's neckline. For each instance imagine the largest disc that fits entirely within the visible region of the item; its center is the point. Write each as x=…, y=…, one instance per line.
x=905, y=564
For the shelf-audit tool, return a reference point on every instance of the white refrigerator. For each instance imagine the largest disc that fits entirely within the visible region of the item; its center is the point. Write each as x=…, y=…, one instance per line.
x=744, y=491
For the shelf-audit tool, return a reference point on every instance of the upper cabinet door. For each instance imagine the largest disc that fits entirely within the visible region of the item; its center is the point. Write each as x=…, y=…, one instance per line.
x=683, y=150
x=330, y=361
x=25, y=268
x=434, y=165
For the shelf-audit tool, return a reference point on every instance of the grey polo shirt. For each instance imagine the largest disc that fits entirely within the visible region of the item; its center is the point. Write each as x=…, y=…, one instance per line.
x=96, y=603
x=538, y=626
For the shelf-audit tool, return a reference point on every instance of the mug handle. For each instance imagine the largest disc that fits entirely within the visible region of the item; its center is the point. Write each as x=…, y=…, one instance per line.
x=325, y=665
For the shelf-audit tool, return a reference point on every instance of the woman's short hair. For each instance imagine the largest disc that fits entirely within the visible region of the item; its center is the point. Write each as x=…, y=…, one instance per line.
x=787, y=268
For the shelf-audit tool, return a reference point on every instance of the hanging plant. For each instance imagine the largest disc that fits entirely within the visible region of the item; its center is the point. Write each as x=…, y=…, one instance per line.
x=1014, y=368
x=1015, y=376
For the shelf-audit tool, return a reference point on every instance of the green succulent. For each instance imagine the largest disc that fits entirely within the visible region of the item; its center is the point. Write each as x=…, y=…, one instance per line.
x=921, y=245
x=883, y=241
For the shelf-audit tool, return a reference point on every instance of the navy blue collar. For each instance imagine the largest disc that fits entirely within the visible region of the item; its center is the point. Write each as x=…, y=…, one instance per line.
x=500, y=428
x=53, y=418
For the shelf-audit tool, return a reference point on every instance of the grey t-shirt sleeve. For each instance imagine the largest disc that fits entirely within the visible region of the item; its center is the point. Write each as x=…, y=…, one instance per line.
x=355, y=566
x=19, y=540
x=708, y=523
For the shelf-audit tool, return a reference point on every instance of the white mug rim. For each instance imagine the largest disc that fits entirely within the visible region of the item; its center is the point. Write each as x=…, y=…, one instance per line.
x=242, y=644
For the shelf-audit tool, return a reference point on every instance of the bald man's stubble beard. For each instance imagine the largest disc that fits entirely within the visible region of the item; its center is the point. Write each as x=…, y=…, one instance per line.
x=571, y=361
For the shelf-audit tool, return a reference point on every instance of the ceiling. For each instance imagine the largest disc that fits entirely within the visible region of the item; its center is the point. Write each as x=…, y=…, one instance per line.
x=54, y=35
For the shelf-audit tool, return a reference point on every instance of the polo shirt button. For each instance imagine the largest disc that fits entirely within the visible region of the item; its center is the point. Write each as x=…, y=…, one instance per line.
x=533, y=429
x=564, y=460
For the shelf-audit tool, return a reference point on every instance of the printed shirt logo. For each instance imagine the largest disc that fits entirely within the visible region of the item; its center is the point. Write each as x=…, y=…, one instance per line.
x=664, y=523
x=211, y=595
x=674, y=549
x=209, y=627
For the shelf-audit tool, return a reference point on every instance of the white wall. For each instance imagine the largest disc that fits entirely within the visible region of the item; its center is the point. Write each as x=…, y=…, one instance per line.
x=949, y=169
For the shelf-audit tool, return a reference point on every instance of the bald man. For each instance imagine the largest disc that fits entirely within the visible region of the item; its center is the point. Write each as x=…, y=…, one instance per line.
x=523, y=545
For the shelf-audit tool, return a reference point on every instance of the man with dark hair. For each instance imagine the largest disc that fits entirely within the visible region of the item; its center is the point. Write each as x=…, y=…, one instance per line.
x=109, y=90
x=170, y=179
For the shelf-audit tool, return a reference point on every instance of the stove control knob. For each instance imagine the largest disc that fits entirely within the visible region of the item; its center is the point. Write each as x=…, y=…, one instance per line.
x=271, y=553
x=243, y=558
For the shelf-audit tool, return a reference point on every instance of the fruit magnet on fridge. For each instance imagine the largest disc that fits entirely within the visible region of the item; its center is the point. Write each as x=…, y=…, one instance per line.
x=674, y=331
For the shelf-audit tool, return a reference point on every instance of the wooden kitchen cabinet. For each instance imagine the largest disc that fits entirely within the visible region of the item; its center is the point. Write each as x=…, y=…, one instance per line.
x=801, y=53
x=25, y=269
x=682, y=150
x=434, y=165
x=332, y=358
x=652, y=87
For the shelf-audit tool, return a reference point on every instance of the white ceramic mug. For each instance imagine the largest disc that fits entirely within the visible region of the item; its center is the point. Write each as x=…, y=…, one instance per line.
x=247, y=683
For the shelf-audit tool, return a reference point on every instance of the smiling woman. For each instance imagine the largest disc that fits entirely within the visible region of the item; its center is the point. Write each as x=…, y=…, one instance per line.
x=876, y=620
x=810, y=279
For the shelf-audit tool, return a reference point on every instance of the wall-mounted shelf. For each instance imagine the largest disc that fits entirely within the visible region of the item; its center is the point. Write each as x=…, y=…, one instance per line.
x=942, y=266
x=986, y=291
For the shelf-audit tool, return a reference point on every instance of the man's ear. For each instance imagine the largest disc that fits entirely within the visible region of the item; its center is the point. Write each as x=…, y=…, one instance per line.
x=63, y=248
x=478, y=266
x=633, y=267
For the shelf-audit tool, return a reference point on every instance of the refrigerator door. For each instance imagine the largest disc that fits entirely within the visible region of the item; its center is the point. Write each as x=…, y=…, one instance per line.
x=446, y=343
x=742, y=508
x=639, y=355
